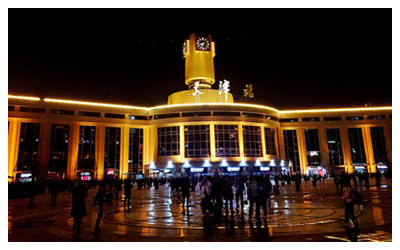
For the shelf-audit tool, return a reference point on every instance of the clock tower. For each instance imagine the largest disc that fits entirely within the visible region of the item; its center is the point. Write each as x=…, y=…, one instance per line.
x=199, y=53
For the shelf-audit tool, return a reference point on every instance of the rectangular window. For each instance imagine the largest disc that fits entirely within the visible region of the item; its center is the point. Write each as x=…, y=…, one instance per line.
x=334, y=146
x=137, y=117
x=355, y=118
x=135, y=161
x=11, y=108
x=28, y=146
x=270, y=146
x=112, y=149
x=87, y=142
x=115, y=116
x=376, y=117
x=164, y=116
x=252, y=141
x=91, y=114
x=189, y=114
x=291, y=149
x=332, y=118
x=273, y=118
x=226, y=141
x=197, y=141
x=289, y=120
x=168, y=141
x=252, y=115
x=312, y=147
x=220, y=113
x=61, y=112
x=59, y=142
x=356, y=145
x=310, y=119
x=32, y=110
x=379, y=145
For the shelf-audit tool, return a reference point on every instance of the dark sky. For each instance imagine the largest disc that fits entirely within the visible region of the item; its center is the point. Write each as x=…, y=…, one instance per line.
x=295, y=58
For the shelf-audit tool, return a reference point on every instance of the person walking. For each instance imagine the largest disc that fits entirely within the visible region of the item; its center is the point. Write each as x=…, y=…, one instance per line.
x=185, y=194
x=298, y=181
x=227, y=193
x=78, y=210
x=98, y=206
x=239, y=186
x=54, y=189
x=349, y=205
x=128, y=185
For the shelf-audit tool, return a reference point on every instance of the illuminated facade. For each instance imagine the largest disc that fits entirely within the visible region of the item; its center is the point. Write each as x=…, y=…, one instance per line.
x=53, y=138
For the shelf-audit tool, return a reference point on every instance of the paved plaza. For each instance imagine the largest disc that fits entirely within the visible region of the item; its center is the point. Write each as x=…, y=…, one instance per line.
x=312, y=214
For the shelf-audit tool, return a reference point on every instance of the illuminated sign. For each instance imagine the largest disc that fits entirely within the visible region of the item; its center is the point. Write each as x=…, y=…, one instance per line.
x=264, y=168
x=85, y=173
x=167, y=171
x=26, y=175
x=359, y=167
x=196, y=170
x=110, y=171
x=331, y=141
x=224, y=86
x=382, y=166
x=156, y=171
x=233, y=169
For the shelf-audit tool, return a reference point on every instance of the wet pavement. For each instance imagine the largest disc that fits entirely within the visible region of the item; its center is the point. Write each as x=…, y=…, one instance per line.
x=312, y=214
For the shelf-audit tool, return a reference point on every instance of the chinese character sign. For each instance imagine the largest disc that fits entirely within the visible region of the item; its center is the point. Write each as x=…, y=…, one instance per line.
x=224, y=86
x=197, y=93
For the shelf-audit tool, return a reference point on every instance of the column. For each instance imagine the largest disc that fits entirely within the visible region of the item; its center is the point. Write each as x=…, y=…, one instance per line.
x=124, y=155
x=212, y=142
x=281, y=145
x=44, y=150
x=99, y=152
x=344, y=137
x=182, y=141
x=369, y=151
x=301, y=144
x=241, y=144
x=324, y=149
x=264, y=150
x=73, y=149
x=13, y=144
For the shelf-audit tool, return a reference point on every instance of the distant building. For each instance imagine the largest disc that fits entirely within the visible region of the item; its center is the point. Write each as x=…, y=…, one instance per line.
x=194, y=134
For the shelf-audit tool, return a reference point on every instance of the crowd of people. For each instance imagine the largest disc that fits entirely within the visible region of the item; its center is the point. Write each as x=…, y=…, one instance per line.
x=217, y=193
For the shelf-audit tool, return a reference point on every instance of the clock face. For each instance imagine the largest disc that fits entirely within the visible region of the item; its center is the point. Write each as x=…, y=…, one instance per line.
x=184, y=48
x=203, y=43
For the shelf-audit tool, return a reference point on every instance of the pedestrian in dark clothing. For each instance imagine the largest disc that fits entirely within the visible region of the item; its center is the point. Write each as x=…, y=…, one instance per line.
x=98, y=206
x=349, y=202
x=266, y=194
x=298, y=181
x=239, y=186
x=78, y=210
x=128, y=185
x=251, y=194
x=185, y=193
x=336, y=180
x=54, y=189
x=31, y=192
x=228, y=194
x=156, y=183
x=117, y=187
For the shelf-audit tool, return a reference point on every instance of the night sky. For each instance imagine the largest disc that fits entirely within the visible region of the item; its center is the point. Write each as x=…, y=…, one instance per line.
x=295, y=58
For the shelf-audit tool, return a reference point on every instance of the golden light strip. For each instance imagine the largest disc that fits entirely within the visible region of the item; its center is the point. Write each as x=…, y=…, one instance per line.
x=24, y=97
x=93, y=104
x=199, y=105
x=334, y=110
x=215, y=104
